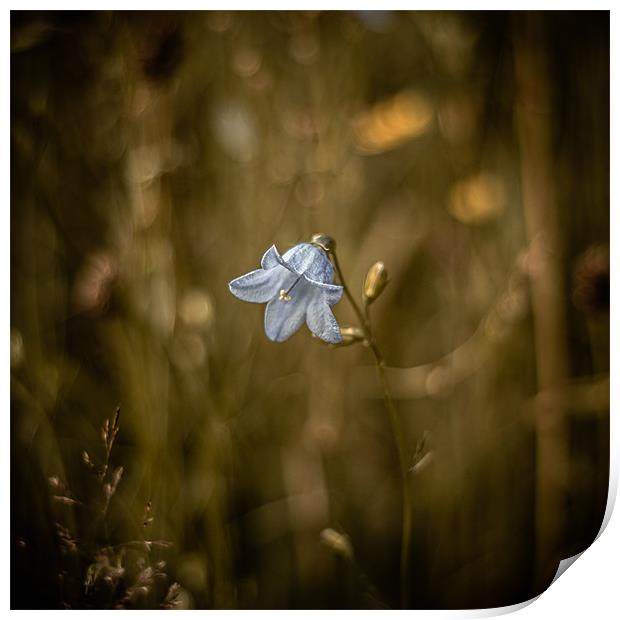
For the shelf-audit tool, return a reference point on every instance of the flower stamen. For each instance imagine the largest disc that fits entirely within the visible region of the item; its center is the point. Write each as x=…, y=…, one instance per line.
x=284, y=294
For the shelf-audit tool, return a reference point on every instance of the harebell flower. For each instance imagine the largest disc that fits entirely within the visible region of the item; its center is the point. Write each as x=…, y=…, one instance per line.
x=296, y=287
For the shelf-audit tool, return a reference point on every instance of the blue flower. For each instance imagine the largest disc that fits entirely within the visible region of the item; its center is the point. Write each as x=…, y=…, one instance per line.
x=296, y=287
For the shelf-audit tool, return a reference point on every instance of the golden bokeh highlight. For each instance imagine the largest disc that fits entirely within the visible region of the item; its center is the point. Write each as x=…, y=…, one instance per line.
x=477, y=199
x=392, y=122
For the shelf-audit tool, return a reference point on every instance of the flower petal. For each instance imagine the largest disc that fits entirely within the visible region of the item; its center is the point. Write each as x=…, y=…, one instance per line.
x=258, y=286
x=332, y=292
x=321, y=319
x=284, y=318
x=271, y=258
x=310, y=260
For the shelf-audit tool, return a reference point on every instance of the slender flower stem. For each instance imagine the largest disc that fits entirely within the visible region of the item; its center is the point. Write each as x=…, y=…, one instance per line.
x=366, y=325
x=347, y=292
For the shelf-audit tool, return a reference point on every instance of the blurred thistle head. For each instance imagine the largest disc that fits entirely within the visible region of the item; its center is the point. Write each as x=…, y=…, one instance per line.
x=296, y=287
x=323, y=241
x=376, y=281
x=591, y=280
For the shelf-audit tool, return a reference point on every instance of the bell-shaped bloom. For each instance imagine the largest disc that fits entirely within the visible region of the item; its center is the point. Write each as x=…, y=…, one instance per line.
x=296, y=287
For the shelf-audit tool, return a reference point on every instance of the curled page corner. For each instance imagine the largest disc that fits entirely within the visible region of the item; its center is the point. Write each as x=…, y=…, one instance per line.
x=611, y=500
x=564, y=565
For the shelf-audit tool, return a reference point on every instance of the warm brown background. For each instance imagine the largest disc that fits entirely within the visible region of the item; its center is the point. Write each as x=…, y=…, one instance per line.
x=154, y=157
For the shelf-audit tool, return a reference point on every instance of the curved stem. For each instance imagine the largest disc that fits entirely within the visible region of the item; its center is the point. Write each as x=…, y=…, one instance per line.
x=399, y=439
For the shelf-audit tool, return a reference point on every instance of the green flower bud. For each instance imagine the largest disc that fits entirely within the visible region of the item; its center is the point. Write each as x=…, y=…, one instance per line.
x=351, y=335
x=337, y=542
x=376, y=280
x=325, y=242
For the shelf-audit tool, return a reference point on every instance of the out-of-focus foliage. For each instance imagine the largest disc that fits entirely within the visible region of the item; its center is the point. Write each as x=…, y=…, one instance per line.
x=155, y=156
